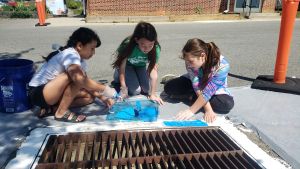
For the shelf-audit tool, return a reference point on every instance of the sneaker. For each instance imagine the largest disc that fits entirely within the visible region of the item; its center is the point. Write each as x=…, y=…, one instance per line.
x=167, y=78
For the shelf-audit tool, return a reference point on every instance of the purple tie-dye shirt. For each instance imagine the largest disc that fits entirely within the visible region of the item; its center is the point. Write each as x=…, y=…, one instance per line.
x=217, y=83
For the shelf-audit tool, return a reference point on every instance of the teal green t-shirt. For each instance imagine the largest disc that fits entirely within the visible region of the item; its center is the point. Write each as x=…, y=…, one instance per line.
x=137, y=57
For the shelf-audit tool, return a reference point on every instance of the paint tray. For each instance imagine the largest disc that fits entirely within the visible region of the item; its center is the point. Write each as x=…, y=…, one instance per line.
x=135, y=110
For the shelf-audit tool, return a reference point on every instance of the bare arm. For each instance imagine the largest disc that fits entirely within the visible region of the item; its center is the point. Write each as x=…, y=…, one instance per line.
x=80, y=78
x=199, y=103
x=153, y=80
x=188, y=113
x=153, y=83
x=122, y=73
x=209, y=114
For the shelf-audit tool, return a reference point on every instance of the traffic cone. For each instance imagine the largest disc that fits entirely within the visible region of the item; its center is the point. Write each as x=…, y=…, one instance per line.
x=279, y=82
x=40, y=7
x=289, y=12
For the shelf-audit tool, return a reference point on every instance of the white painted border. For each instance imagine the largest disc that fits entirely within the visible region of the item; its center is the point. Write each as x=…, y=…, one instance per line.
x=29, y=150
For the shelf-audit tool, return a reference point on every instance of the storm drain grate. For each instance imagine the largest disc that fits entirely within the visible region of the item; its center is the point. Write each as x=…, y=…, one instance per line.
x=190, y=148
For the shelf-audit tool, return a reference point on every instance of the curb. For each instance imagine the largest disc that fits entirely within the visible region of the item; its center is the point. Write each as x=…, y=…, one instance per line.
x=171, y=18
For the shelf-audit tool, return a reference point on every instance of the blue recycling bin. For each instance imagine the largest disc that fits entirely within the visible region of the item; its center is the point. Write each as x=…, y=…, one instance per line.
x=15, y=75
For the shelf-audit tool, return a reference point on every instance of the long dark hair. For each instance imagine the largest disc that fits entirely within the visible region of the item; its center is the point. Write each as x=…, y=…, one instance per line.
x=83, y=35
x=142, y=30
x=196, y=47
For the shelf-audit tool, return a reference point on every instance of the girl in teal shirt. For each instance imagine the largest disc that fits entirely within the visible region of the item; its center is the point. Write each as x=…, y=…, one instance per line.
x=133, y=55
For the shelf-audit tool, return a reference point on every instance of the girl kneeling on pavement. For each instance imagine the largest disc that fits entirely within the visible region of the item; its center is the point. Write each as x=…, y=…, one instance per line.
x=62, y=81
x=133, y=55
x=205, y=83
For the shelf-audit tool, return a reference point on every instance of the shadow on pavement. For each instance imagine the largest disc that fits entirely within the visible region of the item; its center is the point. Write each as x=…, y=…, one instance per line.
x=241, y=77
x=6, y=55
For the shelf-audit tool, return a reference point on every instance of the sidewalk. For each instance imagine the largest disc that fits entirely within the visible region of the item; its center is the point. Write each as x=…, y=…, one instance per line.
x=274, y=116
x=80, y=21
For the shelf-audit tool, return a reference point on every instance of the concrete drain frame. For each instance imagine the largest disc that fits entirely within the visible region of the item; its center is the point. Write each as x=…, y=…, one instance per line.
x=31, y=151
x=191, y=148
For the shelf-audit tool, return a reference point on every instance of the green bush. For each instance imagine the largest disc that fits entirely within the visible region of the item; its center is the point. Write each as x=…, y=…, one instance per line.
x=22, y=10
x=7, y=8
x=21, y=14
x=25, y=7
x=73, y=4
x=78, y=11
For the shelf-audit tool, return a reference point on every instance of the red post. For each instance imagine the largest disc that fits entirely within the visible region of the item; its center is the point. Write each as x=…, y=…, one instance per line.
x=40, y=7
x=289, y=12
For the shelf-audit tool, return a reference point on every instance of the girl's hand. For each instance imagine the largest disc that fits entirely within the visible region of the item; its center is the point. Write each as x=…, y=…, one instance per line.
x=123, y=92
x=109, y=92
x=210, y=116
x=156, y=99
x=109, y=102
x=184, y=115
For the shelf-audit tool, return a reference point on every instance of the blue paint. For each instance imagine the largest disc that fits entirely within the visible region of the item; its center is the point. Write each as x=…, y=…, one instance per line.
x=192, y=123
x=140, y=110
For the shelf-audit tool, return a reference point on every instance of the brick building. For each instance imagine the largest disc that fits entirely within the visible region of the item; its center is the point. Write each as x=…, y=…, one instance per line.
x=174, y=7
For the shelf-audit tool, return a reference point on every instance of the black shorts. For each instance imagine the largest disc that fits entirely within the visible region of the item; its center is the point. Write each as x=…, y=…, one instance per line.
x=221, y=104
x=37, y=97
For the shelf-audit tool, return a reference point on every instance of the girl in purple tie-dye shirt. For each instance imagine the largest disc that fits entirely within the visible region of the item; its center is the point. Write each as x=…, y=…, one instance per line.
x=205, y=83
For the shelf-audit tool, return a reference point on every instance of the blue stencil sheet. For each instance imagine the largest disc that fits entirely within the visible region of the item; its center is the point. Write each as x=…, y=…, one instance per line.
x=146, y=111
x=192, y=123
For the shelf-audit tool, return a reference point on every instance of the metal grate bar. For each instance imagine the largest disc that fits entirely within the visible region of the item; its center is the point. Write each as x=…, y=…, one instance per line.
x=236, y=161
x=155, y=145
x=146, y=144
x=131, y=140
x=175, y=143
x=198, y=144
x=248, y=159
x=139, y=143
x=170, y=146
x=210, y=141
x=227, y=140
x=69, y=146
x=217, y=140
x=190, y=148
x=189, y=142
x=77, y=149
x=219, y=161
x=162, y=144
x=185, y=146
x=203, y=141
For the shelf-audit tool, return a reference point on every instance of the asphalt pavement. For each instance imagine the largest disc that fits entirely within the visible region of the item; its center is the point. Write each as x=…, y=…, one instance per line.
x=249, y=45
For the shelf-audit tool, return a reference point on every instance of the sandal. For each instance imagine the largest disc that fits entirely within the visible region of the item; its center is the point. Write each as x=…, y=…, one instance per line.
x=42, y=112
x=66, y=116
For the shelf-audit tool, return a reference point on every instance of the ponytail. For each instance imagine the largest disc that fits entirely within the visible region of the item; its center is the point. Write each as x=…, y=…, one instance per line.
x=196, y=47
x=54, y=53
x=82, y=35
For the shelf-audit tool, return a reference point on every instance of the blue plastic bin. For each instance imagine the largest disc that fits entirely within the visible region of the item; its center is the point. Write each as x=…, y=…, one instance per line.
x=136, y=110
x=15, y=75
